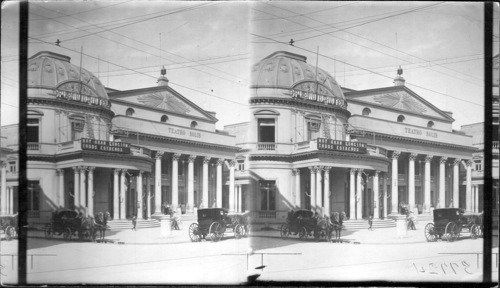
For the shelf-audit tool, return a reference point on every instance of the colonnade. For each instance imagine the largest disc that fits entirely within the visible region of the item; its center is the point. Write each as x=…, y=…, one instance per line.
x=190, y=181
x=427, y=182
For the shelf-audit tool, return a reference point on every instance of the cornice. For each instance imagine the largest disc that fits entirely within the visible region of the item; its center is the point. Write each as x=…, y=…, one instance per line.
x=69, y=104
x=300, y=103
x=87, y=154
x=232, y=149
x=420, y=141
x=316, y=154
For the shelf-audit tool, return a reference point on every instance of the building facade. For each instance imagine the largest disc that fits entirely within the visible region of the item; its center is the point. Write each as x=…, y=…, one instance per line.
x=311, y=144
x=95, y=149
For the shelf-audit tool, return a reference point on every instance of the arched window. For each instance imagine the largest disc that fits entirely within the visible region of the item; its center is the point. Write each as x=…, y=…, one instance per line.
x=401, y=118
x=430, y=124
x=130, y=112
x=367, y=111
x=164, y=118
x=194, y=124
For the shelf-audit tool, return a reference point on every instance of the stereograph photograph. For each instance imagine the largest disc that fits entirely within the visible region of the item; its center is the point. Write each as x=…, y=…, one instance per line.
x=193, y=142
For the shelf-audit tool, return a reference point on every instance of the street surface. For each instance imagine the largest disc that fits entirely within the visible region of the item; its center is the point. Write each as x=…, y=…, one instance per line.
x=379, y=256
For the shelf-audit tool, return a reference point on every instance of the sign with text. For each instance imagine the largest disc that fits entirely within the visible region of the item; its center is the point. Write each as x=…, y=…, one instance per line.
x=105, y=146
x=342, y=146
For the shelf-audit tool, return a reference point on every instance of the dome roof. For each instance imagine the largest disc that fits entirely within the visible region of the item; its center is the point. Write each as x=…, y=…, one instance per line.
x=54, y=71
x=283, y=69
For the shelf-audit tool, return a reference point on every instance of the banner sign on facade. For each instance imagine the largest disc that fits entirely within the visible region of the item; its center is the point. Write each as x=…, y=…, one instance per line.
x=76, y=96
x=342, y=146
x=105, y=146
x=306, y=95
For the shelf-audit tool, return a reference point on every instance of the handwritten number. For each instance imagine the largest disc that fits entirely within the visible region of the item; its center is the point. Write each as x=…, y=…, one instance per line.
x=466, y=265
x=415, y=267
x=442, y=267
x=451, y=265
x=430, y=268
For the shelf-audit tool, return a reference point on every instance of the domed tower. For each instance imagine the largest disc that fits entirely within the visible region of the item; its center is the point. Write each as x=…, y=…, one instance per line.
x=65, y=95
x=286, y=86
x=296, y=141
x=70, y=160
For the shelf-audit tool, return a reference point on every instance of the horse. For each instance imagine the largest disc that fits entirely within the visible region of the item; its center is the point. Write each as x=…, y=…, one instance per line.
x=87, y=229
x=102, y=221
x=323, y=228
x=338, y=219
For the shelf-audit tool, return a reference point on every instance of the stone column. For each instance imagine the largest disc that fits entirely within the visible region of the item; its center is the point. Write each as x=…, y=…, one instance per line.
x=90, y=194
x=352, y=194
x=190, y=187
x=232, y=164
x=411, y=181
x=3, y=198
x=60, y=197
x=384, y=195
x=319, y=204
x=359, y=195
x=116, y=195
x=76, y=187
x=296, y=173
x=468, y=187
x=148, y=196
x=11, y=200
x=175, y=181
x=456, y=162
x=139, y=194
x=326, y=191
x=442, y=185
x=123, y=214
x=394, y=183
x=206, y=161
x=313, y=188
x=427, y=183
x=158, y=157
x=476, y=198
x=376, y=203
x=218, y=190
x=83, y=189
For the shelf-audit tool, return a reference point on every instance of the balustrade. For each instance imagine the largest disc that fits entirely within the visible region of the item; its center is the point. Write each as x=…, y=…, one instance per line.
x=266, y=146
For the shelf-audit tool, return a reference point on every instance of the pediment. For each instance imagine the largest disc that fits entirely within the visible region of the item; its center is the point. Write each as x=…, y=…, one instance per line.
x=165, y=99
x=399, y=99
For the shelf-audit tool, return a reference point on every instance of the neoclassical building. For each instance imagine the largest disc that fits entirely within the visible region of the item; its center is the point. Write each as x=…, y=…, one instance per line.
x=9, y=158
x=312, y=144
x=95, y=149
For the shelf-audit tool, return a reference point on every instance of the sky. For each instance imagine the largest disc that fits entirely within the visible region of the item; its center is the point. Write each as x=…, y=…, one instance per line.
x=209, y=47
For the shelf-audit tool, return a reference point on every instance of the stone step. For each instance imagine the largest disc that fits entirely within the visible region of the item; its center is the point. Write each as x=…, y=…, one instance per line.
x=127, y=224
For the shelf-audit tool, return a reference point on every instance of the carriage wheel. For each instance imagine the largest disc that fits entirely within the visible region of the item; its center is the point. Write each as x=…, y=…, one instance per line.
x=10, y=233
x=194, y=233
x=67, y=234
x=239, y=231
x=215, y=231
x=285, y=231
x=429, y=233
x=303, y=233
x=451, y=231
x=474, y=231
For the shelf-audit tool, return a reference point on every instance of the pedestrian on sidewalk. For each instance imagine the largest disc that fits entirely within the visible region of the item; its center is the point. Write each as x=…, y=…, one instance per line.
x=134, y=223
x=370, y=223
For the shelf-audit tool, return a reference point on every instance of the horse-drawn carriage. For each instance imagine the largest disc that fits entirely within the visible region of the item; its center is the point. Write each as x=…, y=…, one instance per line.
x=70, y=223
x=8, y=224
x=213, y=222
x=304, y=223
x=450, y=222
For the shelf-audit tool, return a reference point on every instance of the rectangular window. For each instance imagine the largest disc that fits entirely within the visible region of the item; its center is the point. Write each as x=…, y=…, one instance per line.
x=12, y=166
x=313, y=128
x=33, y=195
x=164, y=167
x=478, y=165
x=241, y=165
x=76, y=130
x=268, y=195
x=266, y=130
x=33, y=130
